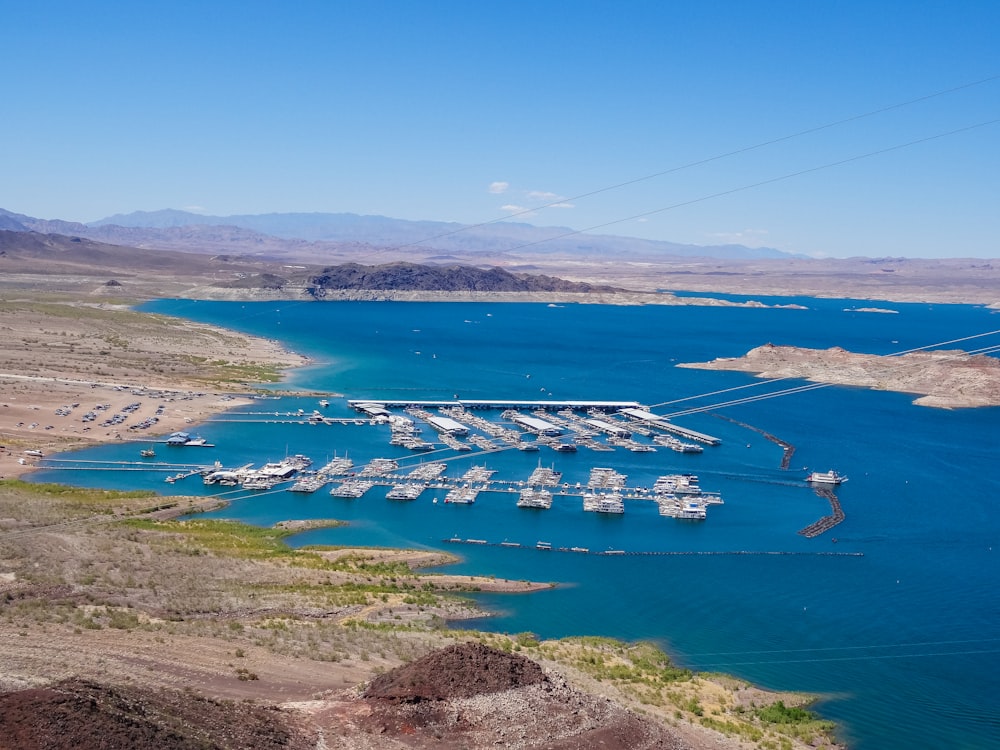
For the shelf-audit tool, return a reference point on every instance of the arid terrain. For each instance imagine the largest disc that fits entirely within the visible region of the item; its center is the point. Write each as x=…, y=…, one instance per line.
x=112, y=601
x=118, y=613
x=239, y=268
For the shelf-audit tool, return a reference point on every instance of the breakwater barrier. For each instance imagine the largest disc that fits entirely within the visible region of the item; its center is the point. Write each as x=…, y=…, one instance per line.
x=788, y=450
x=826, y=522
x=544, y=546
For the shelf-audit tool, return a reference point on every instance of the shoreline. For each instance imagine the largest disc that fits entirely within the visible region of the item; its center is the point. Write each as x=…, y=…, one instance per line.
x=35, y=396
x=105, y=360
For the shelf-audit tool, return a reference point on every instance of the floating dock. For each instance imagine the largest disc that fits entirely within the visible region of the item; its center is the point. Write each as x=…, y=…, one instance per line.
x=607, y=406
x=642, y=415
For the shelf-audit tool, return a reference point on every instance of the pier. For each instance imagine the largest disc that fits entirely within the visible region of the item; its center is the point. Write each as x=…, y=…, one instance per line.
x=641, y=414
x=606, y=406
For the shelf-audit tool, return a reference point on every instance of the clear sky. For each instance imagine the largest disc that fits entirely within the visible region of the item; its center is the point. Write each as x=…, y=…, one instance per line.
x=463, y=110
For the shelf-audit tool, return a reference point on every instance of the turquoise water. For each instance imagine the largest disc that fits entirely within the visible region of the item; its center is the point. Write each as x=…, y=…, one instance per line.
x=902, y=642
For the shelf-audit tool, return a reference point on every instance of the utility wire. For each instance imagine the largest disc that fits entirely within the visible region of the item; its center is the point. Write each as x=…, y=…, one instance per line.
x=865, y=657
x=707, y=160
x=761, y=183
x=844, y=648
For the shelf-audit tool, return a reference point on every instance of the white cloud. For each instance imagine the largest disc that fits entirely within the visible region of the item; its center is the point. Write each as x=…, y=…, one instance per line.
x=541, y=195
x=195, y=209
x=499, y=187
x=562, y=205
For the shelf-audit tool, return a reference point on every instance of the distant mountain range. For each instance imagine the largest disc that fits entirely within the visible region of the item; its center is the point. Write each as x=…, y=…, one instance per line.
x=314, y=236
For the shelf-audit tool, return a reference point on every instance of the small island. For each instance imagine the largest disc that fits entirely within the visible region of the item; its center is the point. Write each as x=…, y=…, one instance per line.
x=943, y=378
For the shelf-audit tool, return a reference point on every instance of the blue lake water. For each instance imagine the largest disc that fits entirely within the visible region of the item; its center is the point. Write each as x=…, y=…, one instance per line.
x=902, y=642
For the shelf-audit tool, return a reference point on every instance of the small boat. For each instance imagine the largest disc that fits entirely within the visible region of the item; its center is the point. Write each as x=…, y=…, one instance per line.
x=147, y=453
x=324, y=402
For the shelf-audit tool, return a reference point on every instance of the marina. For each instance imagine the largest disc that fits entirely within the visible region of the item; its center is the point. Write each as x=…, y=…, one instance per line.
x=563, y=427
x=560, y=426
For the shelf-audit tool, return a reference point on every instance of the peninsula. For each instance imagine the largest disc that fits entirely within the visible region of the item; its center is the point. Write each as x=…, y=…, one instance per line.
x=942, y=378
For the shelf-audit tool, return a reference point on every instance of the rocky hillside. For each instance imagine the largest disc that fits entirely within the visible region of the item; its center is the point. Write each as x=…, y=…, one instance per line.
x=473, y=696
x=84, y=715
x=466, y=696
x=415, y=277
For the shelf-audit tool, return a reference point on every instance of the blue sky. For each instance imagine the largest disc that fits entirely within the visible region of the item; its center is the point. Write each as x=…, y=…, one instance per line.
x=469, y=111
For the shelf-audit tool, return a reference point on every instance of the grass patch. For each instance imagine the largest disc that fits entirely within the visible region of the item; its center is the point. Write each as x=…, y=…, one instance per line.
x=608, y=659
x=76, y=495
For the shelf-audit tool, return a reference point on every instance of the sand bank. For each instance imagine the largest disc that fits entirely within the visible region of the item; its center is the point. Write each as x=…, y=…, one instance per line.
x=417, y=559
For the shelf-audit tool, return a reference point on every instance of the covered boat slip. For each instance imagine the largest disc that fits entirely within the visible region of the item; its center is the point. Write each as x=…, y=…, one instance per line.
x=631, y=409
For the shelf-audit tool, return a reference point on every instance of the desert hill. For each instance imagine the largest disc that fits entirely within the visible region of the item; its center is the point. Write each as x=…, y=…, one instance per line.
x=156, y=273
x=463, y=696
x=267, y=244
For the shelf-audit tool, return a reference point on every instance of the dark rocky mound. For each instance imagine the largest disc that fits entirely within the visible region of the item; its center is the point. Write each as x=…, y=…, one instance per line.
x=83, y=715
x=461, y=671
x=416, y=277
x=471, y=697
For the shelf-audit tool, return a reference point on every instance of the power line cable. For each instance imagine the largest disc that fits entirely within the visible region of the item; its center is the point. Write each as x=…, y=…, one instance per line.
x=761, y=183
x=707, y=160
x=847, y=658
x=845, y=648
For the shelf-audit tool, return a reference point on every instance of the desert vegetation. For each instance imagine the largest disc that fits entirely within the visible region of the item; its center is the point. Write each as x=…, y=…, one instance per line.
x=101, y=584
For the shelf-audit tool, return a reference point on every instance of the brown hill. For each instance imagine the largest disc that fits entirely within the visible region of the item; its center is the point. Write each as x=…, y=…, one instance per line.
x=472, y=696
x=52, y=254
x=465, y=696
x=83, y=715
x=158, y=272
x=459, y=671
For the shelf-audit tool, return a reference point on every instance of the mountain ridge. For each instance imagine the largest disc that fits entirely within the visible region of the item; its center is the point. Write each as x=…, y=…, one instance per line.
x=378, y=230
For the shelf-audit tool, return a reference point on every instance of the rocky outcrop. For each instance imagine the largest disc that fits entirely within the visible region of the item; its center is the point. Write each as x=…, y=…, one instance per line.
x=417, y=277
x=84, y=715
x=943, y=378
x=472, y=696
x=459, y=671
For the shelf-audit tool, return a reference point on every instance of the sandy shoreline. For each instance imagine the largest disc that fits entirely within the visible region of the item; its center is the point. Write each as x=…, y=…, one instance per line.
x=61, y=361
x=39, y=415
